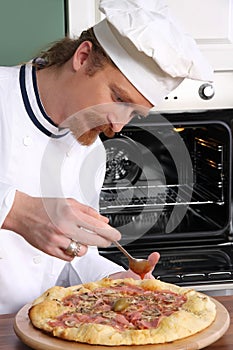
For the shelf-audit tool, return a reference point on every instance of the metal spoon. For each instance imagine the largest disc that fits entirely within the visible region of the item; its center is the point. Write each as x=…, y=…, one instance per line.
x=138, y=266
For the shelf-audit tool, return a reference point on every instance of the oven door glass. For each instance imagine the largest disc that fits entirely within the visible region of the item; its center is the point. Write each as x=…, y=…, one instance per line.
x=169, y=181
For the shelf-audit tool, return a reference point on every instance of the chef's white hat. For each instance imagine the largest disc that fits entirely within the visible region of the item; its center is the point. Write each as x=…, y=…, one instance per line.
x=149, y=47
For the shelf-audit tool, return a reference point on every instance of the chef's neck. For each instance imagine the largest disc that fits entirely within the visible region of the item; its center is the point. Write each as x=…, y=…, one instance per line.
x=51, y=85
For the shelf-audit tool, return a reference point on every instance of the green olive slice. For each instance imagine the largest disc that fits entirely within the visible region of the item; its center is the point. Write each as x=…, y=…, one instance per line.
x=120, y=304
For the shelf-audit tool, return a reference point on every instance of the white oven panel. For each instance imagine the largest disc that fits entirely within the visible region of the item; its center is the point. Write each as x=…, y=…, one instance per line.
x=186, y=97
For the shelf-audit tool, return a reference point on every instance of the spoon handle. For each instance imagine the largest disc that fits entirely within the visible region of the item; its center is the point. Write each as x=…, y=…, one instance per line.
x=119, y=246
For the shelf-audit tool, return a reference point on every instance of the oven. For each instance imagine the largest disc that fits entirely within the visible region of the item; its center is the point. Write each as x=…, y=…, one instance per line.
x=168, y=187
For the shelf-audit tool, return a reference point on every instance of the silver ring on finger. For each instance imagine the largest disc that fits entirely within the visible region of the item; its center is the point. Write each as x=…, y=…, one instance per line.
x=73, y=248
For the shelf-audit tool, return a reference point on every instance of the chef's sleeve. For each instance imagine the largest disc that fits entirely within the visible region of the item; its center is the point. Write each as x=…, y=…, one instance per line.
x=7, y=196
x=88, y=268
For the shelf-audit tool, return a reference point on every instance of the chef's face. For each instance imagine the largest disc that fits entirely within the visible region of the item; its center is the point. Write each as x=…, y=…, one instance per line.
x=106, y=118
x=106, y=101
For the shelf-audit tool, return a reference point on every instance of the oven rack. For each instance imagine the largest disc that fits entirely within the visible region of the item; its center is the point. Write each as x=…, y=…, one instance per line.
x=148, y=197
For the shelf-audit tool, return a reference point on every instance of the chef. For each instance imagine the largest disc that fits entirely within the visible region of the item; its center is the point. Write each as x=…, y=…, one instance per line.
x=52, y=110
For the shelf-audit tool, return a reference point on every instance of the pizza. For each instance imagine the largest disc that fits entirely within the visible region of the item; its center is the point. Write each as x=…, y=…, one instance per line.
x=122, y=312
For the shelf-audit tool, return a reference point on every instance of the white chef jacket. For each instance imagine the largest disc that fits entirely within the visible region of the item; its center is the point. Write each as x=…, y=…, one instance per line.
x=41, y=160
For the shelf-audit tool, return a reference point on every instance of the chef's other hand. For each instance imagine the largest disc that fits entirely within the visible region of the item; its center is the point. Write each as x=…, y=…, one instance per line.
x=153, y=259
x=49, y=224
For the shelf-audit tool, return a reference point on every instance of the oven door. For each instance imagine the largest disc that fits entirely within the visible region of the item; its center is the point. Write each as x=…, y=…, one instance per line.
x=168, y=189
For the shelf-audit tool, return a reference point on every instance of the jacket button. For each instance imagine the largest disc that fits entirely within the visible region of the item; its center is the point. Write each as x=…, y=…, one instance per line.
x=37, y=259
x=27, y=141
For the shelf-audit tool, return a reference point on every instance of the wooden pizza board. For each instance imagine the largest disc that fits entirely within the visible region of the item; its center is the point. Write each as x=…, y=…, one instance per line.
x=38, y=340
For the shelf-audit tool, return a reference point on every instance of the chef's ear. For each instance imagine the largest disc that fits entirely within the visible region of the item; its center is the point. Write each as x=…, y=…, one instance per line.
x=81, y=54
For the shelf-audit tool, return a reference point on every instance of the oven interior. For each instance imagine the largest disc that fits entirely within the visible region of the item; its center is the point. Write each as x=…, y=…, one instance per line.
x=168, y=189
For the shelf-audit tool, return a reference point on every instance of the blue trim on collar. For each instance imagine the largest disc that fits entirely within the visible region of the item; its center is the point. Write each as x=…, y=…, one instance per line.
x=28, y=106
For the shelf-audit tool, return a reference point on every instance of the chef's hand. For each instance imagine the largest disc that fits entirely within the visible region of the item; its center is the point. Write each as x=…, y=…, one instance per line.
x=49, y=224
x=153, y=259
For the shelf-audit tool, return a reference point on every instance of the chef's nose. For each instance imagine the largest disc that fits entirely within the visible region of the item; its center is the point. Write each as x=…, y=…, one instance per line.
x=116, y=127
x=115, y=123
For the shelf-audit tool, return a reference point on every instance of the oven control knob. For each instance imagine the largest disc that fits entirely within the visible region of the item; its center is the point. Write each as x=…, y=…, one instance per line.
x=206, y=91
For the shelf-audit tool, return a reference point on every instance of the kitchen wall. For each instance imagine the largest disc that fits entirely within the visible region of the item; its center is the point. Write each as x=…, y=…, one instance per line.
x=28, y=25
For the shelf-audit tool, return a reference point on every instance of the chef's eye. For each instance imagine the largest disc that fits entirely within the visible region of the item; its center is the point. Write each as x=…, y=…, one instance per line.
x=116, y=97
x=119, y=99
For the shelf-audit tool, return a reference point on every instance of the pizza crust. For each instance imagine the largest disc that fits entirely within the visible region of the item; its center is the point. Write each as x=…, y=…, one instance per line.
x=196, y=314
